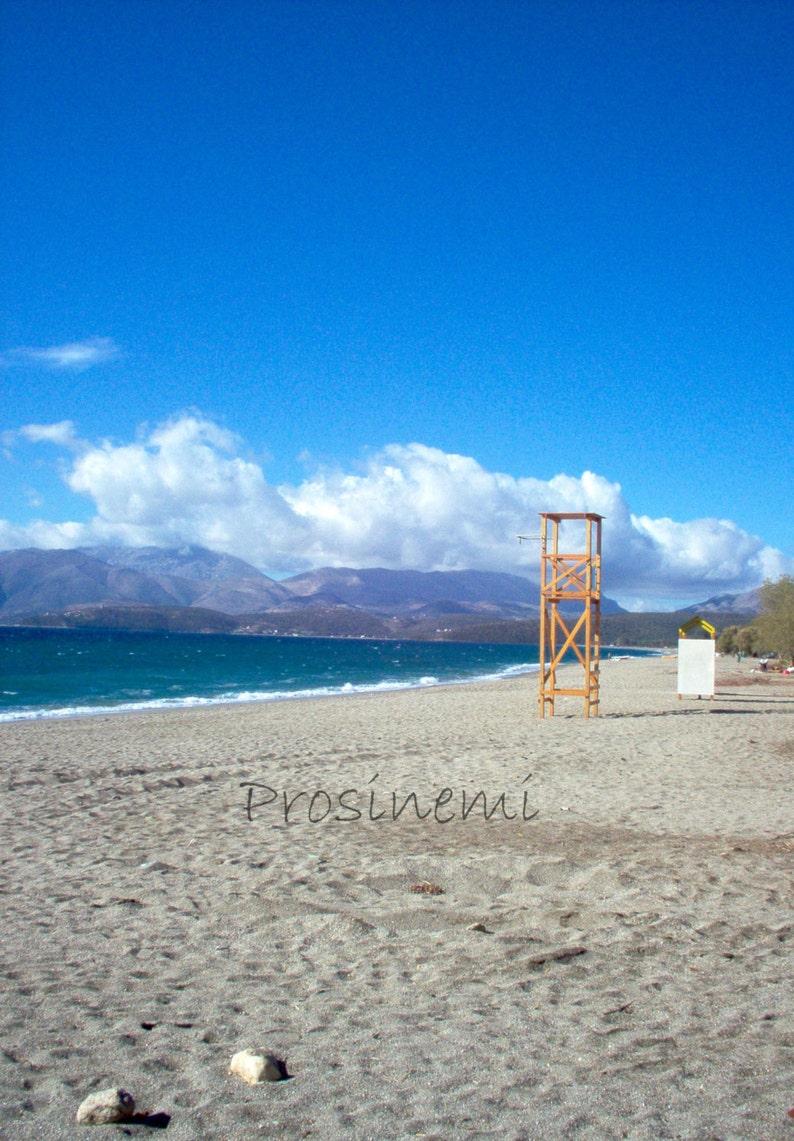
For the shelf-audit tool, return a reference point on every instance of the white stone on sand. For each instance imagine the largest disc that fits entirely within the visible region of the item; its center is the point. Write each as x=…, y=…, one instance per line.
x=106, y=1107
x=256, y=1068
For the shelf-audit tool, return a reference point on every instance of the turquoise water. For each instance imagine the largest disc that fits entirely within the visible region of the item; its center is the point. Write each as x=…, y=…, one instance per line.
x=49, y=673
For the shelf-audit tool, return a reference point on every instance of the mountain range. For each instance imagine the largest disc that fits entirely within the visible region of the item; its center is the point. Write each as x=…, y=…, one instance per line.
x=189, y=585
x=37, y=581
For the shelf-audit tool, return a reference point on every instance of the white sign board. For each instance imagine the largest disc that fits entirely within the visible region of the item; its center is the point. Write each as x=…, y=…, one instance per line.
x=696, y=664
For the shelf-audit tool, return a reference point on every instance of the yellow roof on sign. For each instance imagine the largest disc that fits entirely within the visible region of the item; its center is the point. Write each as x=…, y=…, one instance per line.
x=699, y=623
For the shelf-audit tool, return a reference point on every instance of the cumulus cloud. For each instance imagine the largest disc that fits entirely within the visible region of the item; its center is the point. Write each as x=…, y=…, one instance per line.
x=185, y=482
x=76, y=356
x=406, y=506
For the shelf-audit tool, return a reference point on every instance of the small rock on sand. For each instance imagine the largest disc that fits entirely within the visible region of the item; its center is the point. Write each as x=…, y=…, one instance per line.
x=256, y=1068
x=106, y=1107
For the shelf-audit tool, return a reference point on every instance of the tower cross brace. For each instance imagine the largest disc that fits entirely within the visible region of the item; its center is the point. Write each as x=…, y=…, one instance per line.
x=570, y=609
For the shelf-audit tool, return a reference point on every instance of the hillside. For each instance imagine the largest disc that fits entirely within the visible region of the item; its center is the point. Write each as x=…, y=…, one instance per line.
x=746, y=603
x=651, y=630
x=193, y=589
x=410, y=592
x=33, y=582
x=38, y=582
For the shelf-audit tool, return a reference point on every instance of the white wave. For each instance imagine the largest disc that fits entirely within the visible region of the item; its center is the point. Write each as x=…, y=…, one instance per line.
x=253, y=696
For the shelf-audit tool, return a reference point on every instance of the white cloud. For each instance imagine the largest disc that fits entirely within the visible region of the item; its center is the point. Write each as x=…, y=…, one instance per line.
x=48, y=536
x=408, y=506
x=74, y=356
x=708, y=551
x=185, y=483
x=63, y=434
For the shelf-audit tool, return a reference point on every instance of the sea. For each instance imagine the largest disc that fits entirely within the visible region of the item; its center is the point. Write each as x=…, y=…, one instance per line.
x=47, y=672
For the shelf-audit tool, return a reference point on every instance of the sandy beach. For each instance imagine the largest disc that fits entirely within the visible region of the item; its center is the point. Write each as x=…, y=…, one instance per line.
x=609, y=954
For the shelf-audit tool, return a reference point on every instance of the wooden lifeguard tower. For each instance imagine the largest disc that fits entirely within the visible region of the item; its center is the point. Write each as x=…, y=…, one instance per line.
x=570, y=609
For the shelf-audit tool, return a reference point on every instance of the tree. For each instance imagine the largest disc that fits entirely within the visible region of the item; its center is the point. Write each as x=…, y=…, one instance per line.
x=776, y=623
x=726, y=643
x=747, y=639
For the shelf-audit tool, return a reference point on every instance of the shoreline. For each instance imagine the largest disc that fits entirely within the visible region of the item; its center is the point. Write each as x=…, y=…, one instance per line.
x=13, y=715
x=165, y=705
x=608, y=953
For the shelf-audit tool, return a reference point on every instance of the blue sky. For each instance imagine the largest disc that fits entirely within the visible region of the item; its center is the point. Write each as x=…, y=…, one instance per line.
x=371, y=283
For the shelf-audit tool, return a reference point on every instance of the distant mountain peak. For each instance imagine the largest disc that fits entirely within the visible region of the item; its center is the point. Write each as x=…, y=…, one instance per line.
x=188, y=561
x=746, y=603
